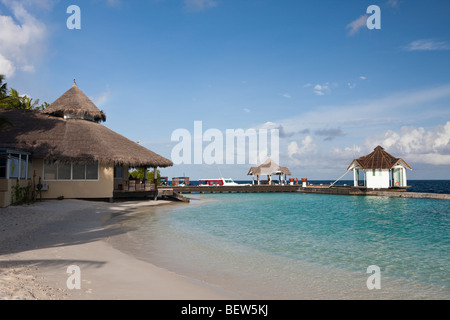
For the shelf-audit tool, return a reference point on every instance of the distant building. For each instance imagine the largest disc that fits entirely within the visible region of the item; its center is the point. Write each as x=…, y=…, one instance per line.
x=68, y=151
x=379, y=170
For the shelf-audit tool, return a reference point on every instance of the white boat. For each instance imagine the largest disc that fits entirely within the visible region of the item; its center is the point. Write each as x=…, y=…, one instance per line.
x=220, y=182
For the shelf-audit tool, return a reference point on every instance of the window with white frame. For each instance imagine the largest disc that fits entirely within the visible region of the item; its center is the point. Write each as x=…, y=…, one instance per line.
x=71, y=171
x=15, y=164
x=13, y=167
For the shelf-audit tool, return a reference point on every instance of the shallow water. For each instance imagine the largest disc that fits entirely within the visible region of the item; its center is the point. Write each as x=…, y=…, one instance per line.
x=296, y=246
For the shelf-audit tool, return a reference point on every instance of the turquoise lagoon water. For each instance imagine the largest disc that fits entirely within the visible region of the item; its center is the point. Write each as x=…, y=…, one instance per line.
x=301, y=246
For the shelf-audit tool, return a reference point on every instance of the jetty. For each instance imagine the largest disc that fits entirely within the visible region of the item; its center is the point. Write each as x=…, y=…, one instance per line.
x=399, y=192
x=178, y=193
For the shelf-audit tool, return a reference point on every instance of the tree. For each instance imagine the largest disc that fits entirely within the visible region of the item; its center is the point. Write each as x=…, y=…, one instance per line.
x=139, y=174
x=28, y=103
x=13, y=100
x=3, y=89
x=4, y=98
x=42, y=106
x=3, y=93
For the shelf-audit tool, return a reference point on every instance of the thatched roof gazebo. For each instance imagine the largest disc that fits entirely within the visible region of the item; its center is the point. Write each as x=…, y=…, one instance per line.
x=380, y=170
x=269, y=168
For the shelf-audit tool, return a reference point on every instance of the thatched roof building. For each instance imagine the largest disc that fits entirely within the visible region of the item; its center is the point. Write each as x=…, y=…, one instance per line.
x=379, y=170
x=57, y=139
x=67, y=152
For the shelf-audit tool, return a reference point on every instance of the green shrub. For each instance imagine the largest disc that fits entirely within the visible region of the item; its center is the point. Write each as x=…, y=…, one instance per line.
x=21, y=195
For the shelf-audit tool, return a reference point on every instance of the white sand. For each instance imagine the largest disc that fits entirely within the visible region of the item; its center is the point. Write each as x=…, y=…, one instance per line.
x=40, y=241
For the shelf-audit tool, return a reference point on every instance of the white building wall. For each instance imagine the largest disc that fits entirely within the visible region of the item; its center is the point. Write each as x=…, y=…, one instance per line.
x=378, y=178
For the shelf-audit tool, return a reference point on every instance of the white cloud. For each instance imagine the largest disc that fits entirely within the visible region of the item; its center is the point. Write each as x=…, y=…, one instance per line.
x=346, y=154
x=351, y=85
x=37, y=4
x=287, y=95
x=199, y=5
x=392, y=3
x=363, y=78
x=356, y=25
x=417, y=144
x=272, y=125
x=246, y=110
x=321, y=89
x=100, y=99
x=6, y=67
x=361, y=121
x=22, y=43
x=427, y=45
x=307, y=147
x=414, y=144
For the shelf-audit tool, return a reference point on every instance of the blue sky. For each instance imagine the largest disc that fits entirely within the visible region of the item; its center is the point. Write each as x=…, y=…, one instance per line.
x=312, y=69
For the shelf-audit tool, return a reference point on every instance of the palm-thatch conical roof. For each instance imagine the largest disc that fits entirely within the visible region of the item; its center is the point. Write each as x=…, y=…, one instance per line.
x=379, y=159
x=75, y=103
x=58, y=139
x=269, y=167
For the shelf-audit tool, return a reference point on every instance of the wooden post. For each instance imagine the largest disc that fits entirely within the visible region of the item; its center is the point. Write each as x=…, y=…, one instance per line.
x=20, y=166
x=26, y=173
x=155, y=180
x=145, y=177
x=405, y=182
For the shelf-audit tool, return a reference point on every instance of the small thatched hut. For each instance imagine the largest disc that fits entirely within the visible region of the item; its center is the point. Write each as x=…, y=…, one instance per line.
x=68, y=151
x=380, y=170
x=269, y=168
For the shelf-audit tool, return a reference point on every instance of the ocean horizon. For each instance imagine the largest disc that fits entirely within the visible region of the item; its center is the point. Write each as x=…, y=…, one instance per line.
x=300, y=246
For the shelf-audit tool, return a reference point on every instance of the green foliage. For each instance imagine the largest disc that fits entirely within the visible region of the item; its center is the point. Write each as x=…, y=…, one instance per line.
x=139, y=174
x=60, y=198
x=42, y=106
x=21, y=195
x=3, y=88
x=13, y=100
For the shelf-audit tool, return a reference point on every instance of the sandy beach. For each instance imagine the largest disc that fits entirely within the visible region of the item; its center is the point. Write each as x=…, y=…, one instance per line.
x=39, y=242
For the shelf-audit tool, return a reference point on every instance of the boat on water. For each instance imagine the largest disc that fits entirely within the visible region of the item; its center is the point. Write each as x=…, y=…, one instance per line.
x=180, y=181
x=219, y=182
